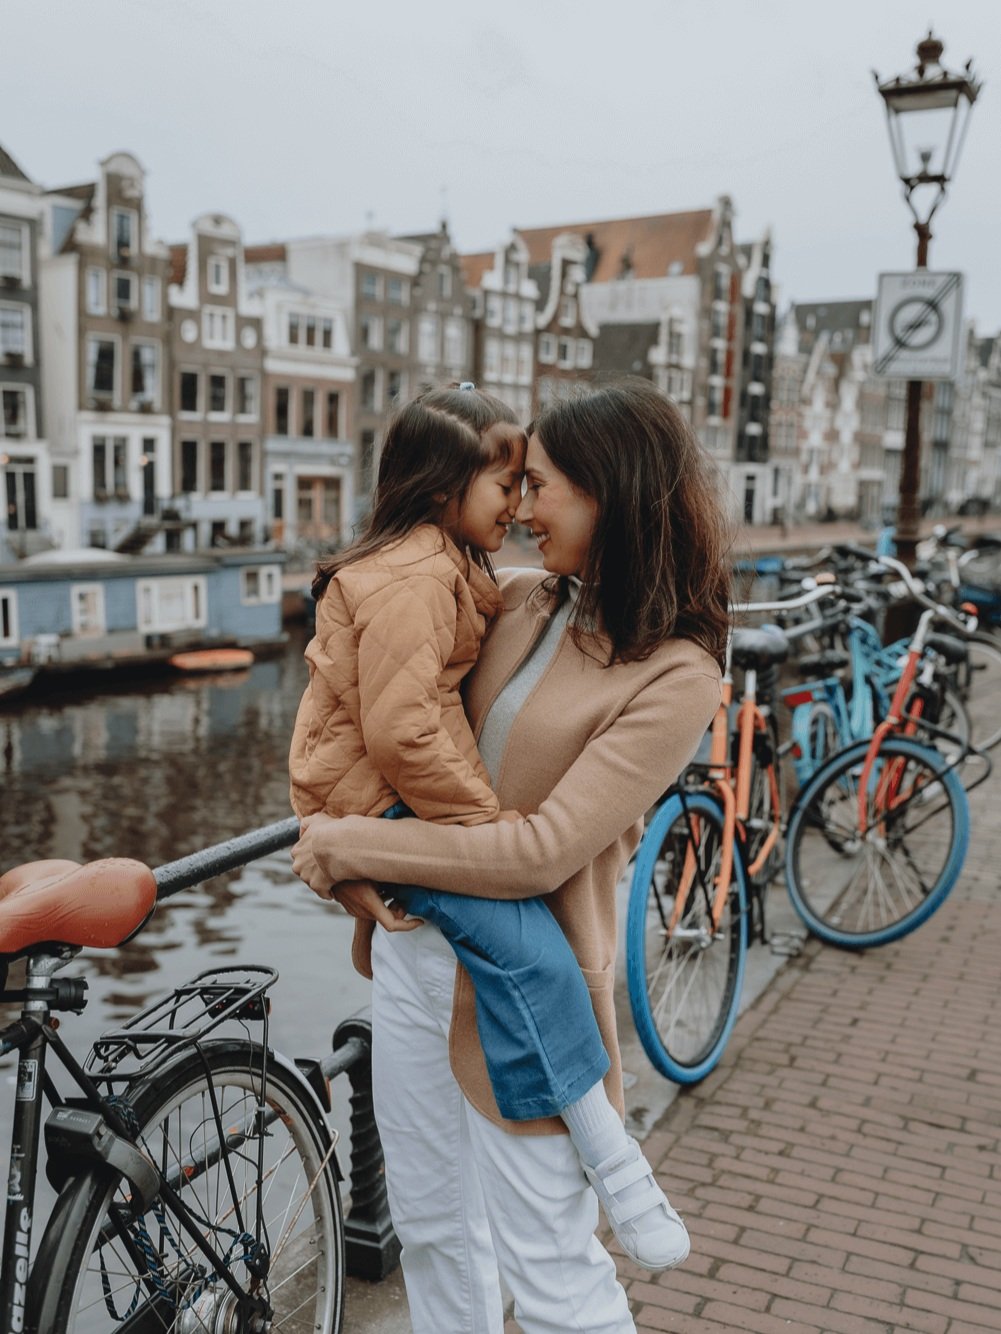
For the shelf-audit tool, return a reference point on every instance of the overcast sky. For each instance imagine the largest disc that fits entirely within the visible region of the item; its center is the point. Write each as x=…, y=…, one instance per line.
x=305, y=116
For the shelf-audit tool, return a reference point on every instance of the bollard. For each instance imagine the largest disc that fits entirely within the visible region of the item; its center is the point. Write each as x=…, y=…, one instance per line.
x=372, y=1248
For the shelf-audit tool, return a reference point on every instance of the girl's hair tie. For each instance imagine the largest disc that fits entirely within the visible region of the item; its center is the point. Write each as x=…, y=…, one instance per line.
x=466, y=387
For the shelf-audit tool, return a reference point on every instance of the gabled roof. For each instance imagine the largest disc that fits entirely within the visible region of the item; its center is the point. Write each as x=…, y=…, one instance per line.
x=8, y=167
x=646, y=246
x=475, y=266
x=274, y=252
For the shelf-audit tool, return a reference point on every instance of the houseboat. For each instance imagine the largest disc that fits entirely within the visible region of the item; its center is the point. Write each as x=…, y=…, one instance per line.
x=91, y=610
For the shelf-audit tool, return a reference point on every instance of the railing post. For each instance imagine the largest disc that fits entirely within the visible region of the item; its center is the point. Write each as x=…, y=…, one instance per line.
x=371, y=1246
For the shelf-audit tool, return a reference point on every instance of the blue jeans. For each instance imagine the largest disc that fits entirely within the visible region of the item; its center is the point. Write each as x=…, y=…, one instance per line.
x=533, y=1011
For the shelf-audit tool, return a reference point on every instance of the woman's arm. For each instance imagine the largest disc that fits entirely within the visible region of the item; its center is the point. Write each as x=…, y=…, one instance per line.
x=619, y=776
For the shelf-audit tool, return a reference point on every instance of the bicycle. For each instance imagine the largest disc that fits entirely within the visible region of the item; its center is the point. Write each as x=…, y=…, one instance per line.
x=198, y=1186
x=706, y=855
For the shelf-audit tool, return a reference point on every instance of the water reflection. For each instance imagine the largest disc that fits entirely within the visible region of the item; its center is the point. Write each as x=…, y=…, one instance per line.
x=155, y=770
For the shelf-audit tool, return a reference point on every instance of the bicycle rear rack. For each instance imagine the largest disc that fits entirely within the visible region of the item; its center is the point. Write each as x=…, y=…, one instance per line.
x=184, y=1017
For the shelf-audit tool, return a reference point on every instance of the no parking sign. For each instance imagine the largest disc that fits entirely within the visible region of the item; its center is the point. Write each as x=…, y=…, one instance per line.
x=918, y=323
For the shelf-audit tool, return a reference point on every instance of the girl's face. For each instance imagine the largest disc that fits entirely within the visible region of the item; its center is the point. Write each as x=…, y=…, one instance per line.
x=561, y=518
x=481, y=519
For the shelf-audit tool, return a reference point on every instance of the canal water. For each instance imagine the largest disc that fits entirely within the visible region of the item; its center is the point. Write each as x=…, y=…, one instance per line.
x=154, y=770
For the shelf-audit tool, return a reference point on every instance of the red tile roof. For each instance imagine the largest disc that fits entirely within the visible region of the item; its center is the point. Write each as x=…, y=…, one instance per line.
x=475, y=266
x=652, y=243
x=178, y=263
x=273, y=252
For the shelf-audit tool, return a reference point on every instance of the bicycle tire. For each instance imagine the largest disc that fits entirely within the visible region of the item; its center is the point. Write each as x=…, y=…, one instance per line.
x=303, y=1223
x=981, y=691
x=684, y=995
x=859, y=897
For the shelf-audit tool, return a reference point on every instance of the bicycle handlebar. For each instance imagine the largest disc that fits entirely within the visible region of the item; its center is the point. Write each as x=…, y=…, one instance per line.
x=965, y=624
x=806, y=599
x=174, y=876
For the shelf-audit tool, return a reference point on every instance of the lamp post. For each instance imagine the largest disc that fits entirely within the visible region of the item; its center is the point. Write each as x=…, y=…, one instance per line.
x=927, y=114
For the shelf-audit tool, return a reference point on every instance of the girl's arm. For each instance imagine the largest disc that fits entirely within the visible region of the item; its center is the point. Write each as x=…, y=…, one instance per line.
x=619, y=776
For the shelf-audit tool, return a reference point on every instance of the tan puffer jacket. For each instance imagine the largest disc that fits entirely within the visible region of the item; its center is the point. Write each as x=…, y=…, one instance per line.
x=382, y=717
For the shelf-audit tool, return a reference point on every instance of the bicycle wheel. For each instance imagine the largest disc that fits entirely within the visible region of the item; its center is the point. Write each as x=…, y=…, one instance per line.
x=980, y=690
x=101, y=1270
x=685, y=982
x=856, y=888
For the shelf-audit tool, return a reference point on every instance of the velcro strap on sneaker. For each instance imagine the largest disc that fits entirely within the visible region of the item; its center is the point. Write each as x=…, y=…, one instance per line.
x=626, y=1211
x=637, y=1170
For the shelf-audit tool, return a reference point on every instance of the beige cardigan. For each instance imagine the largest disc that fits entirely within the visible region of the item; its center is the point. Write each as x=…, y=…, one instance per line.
x=591, y=750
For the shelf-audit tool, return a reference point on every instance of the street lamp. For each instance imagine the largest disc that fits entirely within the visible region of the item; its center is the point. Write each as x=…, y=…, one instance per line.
x=927, y=113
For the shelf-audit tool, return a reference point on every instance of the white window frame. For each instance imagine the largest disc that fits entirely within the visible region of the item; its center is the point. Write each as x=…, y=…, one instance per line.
x=224, y=340
x=585, y=354
x=133, y=300
x=547, y=349
x=24, y=273
x=511, y=315
x=404, y=344
x=371, y=331
x=79, y=592
x=494, y=310
x=8, y=387
x=375, y=279
x=404, y=289
x=428, y=332
x=454, y=341
x=255, y=396
x=525, y=362
x=100, y=305
x=568, y=311
x=444, y=282
x=133, y=216
x=269, y=585
x=27, y=330
x=116, y=387
x=191, y=414
x=154, y=397
x=217, y=415
x=192, y=590
x=254, y=457
x=491, y=358
x=566, y=353
x=216, y=285
x=527, y=316
x=152, y=298
x=509, y=361
x=12, y=638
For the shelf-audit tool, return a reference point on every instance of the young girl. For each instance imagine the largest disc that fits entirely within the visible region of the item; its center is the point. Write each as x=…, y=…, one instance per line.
x=381, y=730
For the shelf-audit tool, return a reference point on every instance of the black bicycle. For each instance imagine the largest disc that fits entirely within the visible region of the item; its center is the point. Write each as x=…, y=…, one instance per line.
x=197, y=1178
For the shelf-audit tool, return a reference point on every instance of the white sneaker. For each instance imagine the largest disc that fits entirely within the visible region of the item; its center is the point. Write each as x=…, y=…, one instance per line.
x=647, y=1228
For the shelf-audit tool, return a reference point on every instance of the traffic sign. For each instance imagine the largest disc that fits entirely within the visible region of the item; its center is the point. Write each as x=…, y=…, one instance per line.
x=918, y=325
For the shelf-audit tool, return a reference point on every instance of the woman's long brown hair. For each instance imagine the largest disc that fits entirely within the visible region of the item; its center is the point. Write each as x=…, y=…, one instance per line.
x=658, y=564
x=432, y=453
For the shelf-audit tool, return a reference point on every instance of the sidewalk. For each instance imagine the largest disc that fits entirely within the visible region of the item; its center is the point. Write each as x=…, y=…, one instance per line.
x=841, y=1170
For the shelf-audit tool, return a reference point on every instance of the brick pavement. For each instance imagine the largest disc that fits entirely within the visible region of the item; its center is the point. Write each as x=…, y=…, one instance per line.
x=841, y=1169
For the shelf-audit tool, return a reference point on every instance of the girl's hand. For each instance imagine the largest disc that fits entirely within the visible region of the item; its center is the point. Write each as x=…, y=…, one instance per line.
x=360, y=898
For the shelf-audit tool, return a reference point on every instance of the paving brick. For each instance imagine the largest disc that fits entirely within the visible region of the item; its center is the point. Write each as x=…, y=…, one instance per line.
x=894, y=1316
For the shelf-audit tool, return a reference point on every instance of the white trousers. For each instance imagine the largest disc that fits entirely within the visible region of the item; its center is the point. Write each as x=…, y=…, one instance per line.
x=474, y=1206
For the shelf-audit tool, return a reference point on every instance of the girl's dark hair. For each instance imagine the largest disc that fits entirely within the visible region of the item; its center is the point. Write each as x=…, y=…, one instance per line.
x=432, y=453
x=658, y=564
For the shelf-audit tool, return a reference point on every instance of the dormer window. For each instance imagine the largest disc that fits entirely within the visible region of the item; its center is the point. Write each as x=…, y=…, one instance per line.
x=218, y=276
x=124, y=226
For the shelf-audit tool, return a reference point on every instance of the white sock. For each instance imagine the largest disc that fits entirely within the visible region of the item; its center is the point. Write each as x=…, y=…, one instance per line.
x=595, y=1126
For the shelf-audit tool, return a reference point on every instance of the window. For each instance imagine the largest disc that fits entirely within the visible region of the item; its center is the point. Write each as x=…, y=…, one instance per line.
x=189, y=387
x=218, y=394
x=260, y=583
x=509, y=367
x=527, y=317
x=714, y=400
x=721, y=282
x=245, y=465
x=510, y=314
x=8, y=617
x=87, y=603
x=397, y=336
x=14, y=420
x=491, y=358
x=495, y=309
x=308, y=412
x=719, y=321
x=455, y=342
x=13, y=250
x=217, y=465
x=218, y=277
x=246, y=395
x=123, y=286
x=123, y=231
x=547, y=348
x=395, y=388
x=101, y=368
x=14, y=330
x=19, y=484
x=369, y=391
x=146, y=373
x=278, y=498
x=398, y=291
x=310, y=331
x=568, y=310
x=327, y=333
x=109, y=467
x=567, y=353
x=217, y=327
x=281, y=410
x=97, y=291
x=60, y=481
x=151, y=299
x=371, y=286
x=293, y=328
x=525, y=362
x=217, y=533
x=189, y=466
x=675, y=339
x=427, y=338
x=171, y=603
x=717, y=358
x=371, y=332
x=333, y=415
x=585, y=353
x=444, y=282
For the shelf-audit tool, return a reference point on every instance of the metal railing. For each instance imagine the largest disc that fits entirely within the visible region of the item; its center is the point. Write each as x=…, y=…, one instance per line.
x=371, y=1247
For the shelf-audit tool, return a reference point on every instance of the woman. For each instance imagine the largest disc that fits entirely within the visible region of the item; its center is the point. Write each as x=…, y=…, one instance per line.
x=591, y=694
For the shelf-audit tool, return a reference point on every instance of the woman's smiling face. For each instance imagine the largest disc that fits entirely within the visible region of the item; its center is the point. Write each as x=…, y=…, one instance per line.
x=561, y=518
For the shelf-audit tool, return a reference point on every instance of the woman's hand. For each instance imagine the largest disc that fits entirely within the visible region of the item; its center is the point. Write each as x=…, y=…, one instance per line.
x=305, y=858
x=361, y=898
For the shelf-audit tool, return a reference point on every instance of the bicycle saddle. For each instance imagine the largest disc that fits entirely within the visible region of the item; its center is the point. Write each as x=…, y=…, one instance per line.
x=948, y=647
x=822, y=664
x=57, y=902
x=758, y=648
